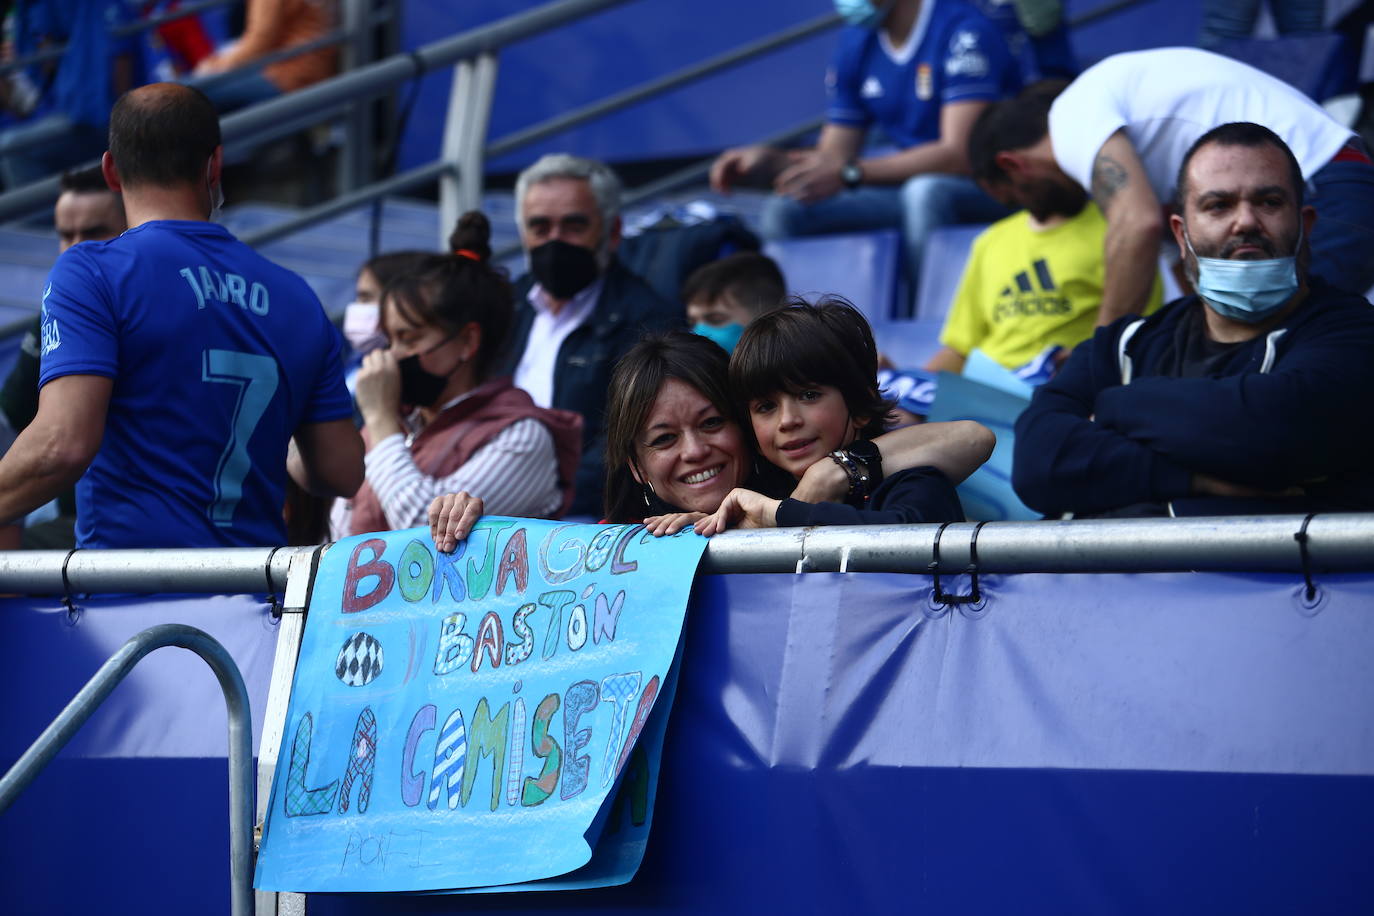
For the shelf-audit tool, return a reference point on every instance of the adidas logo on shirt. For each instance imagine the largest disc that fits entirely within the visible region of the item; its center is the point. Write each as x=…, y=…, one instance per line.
x=872, y=89
x=1023, y=299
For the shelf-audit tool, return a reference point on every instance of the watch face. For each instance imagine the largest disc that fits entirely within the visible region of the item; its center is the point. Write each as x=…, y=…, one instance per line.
x=851, y=175
x=867, y=452
x=863, y=448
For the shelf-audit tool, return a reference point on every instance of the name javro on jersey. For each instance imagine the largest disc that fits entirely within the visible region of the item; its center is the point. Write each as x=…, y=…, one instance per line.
x=210, y=285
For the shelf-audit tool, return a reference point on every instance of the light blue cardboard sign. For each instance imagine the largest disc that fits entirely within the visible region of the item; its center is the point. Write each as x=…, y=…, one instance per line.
x=461, y=721
x=987, y=494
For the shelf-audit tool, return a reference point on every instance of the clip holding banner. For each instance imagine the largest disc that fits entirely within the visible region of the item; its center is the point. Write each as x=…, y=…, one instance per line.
x=948, y=599
x=73, y=612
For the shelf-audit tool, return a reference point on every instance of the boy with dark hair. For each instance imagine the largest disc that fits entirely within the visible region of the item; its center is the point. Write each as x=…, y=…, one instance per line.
x=724, y=296
x=807, y=377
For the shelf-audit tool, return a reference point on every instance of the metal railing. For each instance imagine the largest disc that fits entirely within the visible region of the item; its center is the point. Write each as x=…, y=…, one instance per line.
x=472, y=54
x=1336, y=541
x=99, y=687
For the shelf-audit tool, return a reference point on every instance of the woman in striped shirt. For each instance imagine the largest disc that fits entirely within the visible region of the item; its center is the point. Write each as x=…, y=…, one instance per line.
x=434, y=421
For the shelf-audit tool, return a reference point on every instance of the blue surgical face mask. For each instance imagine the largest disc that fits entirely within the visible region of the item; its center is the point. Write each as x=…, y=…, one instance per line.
x=727, y=335
x=1247, y=291
x=860, y=12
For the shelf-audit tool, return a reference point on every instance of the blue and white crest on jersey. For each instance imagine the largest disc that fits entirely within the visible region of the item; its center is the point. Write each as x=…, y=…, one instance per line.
x=965, y=57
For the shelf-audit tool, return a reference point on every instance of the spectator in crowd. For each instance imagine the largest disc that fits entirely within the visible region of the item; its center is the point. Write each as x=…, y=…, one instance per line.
x=676, y=446
x=1037, y=35
x=178, y=364
x=466, y=430
x=1033, y=281
x=806, y=376
x=724, y=296
x=1121, y=130
x=94, y=69
x=86, y=211
x=1251, y=396
x=580, y=309
x=921, y=70
x=362, y=326
x=271, y=26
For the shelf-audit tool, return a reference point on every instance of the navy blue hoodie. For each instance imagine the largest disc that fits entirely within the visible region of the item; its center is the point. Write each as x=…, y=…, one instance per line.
x=1293, y=407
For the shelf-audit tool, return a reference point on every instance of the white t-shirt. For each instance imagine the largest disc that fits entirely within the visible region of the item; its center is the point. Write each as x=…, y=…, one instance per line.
x=1168, y=97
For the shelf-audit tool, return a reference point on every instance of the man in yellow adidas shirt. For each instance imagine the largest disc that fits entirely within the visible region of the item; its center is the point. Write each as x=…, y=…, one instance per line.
x=1033, y=282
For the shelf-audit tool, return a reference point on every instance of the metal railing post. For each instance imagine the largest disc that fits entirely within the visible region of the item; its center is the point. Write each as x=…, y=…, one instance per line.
x=465, y=134
x=355, y=157
x=99, y=687
x=299, y=583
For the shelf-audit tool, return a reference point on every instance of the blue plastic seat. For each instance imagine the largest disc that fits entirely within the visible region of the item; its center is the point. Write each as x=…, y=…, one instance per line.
x=861, y=266
x=941, y=268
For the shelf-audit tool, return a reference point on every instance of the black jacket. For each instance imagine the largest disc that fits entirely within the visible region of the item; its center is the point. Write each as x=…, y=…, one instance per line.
x=1291, y=408
x=626, y=309
x=921, y=494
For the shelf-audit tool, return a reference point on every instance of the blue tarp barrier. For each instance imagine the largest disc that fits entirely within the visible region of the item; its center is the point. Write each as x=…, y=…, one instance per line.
x=1192, y=743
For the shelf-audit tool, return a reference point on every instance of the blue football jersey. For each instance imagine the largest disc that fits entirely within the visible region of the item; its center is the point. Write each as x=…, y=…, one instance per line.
x=955, y=54
x=217, y=356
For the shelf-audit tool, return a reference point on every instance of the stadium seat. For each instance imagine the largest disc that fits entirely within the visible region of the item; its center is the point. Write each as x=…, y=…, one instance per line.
x=1321, y=66
x=861, y=266
x=943, y=265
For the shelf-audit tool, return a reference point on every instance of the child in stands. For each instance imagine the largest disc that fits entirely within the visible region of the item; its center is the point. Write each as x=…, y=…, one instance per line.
x=806, y=376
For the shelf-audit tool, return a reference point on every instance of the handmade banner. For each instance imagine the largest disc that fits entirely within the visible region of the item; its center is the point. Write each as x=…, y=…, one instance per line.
x=461, y=720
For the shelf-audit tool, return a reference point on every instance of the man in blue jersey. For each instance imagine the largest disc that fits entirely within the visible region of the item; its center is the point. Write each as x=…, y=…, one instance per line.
x=178, y=365
x=922, y=71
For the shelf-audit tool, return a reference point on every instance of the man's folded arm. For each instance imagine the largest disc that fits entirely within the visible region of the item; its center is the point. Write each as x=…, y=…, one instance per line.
x=1065, y=461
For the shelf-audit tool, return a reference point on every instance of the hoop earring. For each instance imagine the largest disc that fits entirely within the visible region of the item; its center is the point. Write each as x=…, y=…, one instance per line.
x=647, y=490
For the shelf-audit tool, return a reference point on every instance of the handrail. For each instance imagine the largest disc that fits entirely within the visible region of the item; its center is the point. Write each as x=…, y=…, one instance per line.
x=309, y=105
x=330, y=97
x=122, y=31
x=568, y=119
x=98, y=689
x=1335, y=541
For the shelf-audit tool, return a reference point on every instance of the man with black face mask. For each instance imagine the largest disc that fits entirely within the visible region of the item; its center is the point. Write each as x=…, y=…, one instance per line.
x=1251, y=396
x=579, y=309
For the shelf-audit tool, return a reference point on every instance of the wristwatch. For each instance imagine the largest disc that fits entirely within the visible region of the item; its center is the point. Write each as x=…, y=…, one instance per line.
x=852, y=175
x=866, y=450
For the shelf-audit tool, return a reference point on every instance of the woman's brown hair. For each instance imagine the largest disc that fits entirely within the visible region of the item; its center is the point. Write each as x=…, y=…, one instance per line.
x=641, y=372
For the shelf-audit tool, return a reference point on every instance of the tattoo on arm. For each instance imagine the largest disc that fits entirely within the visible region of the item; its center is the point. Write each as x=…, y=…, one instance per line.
x=1108, y=178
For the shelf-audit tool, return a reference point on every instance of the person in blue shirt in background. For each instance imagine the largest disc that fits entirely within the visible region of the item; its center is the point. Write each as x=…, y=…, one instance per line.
x=921, y=71
x=68, y=127
x=178, y=365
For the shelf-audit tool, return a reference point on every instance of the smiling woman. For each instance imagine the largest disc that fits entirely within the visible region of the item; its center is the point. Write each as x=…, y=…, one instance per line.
x=678, y=449
x=674, y=443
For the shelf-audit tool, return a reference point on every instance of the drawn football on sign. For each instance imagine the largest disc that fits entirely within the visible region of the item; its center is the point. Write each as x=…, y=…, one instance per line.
x=360, y=660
